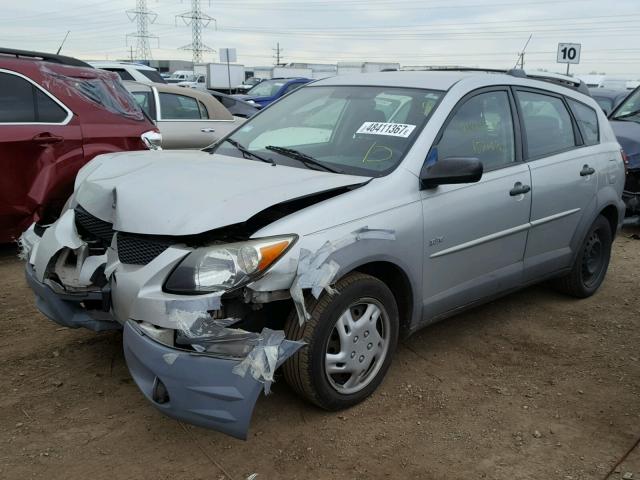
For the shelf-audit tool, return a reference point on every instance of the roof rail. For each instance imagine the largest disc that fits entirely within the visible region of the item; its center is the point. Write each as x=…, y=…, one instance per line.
x=563, y=80
x=47, y=57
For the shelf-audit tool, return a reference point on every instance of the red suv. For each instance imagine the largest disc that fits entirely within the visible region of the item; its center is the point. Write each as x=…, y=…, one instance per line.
x=56, y=114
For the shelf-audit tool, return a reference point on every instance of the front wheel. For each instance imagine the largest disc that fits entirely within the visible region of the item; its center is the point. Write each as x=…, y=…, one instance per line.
x=591, y=263
x=350, y=340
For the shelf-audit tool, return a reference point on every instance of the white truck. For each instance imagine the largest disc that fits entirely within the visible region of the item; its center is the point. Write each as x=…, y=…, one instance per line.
x=218, y=78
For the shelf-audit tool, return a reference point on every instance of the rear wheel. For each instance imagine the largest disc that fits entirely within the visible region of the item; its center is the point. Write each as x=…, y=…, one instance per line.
x=591, y=263
x=350, y=340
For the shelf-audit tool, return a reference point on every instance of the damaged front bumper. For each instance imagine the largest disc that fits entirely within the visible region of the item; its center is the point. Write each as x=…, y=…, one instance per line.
x=67, y=309
x=190, y=365
x=199, y=389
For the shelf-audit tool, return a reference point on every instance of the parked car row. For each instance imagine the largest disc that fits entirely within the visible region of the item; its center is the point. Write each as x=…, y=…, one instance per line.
x=352, y=211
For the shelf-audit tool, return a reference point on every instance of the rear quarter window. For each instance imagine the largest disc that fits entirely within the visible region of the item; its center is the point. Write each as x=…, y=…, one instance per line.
x=587, y=122
x=122, y=73
x=153, y=75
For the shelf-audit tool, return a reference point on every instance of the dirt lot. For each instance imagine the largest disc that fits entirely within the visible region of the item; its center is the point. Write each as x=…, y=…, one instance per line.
x=535, y=386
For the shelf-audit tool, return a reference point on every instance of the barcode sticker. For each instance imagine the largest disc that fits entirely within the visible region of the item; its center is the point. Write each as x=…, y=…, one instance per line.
x=391, y=129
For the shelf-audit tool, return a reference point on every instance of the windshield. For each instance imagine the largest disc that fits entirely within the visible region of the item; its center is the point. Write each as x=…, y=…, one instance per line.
x=266, y=89
x=356, y=130
x=630, y=108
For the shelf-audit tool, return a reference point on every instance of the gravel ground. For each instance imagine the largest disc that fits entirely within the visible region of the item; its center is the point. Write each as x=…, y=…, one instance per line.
x=533, y=386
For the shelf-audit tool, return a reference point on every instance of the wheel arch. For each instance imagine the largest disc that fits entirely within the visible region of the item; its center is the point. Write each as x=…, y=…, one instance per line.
x=610, y=212
x=397, y=280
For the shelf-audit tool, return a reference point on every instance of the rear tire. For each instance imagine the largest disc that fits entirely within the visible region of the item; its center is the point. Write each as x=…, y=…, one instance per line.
x=591, y=263
x=341, y=366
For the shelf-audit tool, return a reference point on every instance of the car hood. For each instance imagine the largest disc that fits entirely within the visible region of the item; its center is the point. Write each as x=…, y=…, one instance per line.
x=628, y=135
x=189, y=192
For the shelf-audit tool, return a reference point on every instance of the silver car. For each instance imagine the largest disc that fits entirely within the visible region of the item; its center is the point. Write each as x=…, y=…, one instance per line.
x=354, y=210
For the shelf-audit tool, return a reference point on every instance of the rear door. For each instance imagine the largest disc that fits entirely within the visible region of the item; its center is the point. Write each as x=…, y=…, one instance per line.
x=40, y=151
x=475, y=234
x=185, y=122
x=564, y=178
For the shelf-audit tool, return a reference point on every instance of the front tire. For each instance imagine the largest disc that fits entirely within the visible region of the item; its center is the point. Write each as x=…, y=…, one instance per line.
x=351, y=338
x=591, y=263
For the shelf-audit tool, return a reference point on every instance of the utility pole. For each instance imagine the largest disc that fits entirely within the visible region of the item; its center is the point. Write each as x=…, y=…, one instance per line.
x=142, y=16
x=278, y=53
x=520, y=59
x=198, y=21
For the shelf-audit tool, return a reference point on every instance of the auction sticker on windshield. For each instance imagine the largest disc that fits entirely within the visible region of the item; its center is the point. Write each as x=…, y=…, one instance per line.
x=391, y=129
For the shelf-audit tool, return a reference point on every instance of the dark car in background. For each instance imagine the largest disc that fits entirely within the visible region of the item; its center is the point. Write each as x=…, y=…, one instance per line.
x=56, y=114
x=608, y=98
x=237, y=107
x=268, y=91
x=625, y=121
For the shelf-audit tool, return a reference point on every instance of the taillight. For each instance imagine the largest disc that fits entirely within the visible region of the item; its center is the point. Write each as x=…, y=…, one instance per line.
x=625, y=160
x=152, y=140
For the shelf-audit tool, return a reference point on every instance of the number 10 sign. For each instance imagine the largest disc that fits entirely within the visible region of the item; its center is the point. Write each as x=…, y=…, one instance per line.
x=569, y=53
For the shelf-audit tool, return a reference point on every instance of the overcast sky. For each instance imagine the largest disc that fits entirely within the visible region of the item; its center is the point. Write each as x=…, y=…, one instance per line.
x=487, y=33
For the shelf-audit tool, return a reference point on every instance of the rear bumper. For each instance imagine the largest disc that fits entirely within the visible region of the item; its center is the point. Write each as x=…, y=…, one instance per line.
x=198, y=389
x=67, y=310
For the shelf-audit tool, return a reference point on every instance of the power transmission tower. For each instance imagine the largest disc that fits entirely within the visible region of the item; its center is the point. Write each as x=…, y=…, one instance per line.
x=278, y=53
x=198, y=21
x=142, y=16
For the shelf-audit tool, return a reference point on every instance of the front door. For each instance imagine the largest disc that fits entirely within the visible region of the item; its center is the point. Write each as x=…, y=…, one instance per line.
x=475, y=234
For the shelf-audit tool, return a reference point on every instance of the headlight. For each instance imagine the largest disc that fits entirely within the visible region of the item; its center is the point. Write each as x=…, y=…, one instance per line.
x=226, y=266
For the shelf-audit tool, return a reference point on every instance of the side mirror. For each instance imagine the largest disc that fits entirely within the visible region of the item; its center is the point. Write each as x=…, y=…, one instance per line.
x=449, y=171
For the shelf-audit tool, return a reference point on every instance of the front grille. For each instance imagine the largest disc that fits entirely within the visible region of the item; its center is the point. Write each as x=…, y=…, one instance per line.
x=93, y=227
x=139, y=249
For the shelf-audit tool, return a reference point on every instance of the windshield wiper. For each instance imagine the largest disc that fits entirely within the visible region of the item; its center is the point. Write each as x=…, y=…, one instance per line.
x=302, y=157
x=626, y=115
x=246, y=152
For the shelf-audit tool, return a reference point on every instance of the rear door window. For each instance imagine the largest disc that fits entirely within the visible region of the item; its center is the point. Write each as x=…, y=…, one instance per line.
x=481, y=128
x=23, y=102
x=16, y=100
x=587, y=122
x=547, y=124
x=178, y=107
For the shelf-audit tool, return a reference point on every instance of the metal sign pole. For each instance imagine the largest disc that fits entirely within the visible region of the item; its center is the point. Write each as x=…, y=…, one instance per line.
x=228, y=70
x=568, y=69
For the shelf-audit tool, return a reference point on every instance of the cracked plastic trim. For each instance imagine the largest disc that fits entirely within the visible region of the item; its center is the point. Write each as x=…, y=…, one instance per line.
x=317, y=271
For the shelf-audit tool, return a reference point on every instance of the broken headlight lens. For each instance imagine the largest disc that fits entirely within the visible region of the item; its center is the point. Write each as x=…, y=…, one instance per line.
x=226, y=266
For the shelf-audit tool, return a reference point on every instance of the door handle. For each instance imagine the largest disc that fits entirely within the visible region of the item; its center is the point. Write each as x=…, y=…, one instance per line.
x=46, y=138
x=207, y=130
x=519, y=189
x=587, y=170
